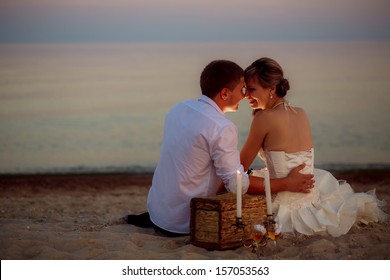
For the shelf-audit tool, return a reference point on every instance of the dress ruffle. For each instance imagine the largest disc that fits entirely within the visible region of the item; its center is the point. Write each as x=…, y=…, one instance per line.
x=332, y=206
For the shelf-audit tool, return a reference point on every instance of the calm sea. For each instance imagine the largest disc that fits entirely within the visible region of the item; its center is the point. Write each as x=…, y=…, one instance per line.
x=101, y=107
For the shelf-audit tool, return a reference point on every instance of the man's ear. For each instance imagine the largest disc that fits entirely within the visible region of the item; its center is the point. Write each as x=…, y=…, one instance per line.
x=224, y=93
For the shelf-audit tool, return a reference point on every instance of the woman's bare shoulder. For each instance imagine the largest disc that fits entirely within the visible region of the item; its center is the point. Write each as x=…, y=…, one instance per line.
x=300, y=111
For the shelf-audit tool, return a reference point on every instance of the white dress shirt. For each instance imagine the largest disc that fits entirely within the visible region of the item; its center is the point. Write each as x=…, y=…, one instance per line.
x=199, y=149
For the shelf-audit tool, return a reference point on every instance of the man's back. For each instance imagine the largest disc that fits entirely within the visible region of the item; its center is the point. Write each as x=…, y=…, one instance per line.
x=192, y=157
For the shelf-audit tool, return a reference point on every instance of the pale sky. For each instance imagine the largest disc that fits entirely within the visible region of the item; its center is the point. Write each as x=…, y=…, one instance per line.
x=192, y=20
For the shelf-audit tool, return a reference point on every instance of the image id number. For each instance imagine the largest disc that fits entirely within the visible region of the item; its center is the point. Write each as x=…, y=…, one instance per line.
x=234, y=270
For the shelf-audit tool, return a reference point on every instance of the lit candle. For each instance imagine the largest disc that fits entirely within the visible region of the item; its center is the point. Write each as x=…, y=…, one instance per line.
x=239, y=194
x=267, y=187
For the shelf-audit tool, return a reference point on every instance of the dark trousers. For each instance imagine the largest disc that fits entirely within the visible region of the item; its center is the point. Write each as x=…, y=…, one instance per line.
x=143, y=220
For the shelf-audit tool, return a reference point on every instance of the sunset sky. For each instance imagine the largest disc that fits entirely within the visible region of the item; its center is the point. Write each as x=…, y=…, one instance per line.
x=192, y=20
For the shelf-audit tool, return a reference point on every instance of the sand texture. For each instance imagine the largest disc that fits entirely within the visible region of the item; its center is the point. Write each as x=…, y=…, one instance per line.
x=66, y=217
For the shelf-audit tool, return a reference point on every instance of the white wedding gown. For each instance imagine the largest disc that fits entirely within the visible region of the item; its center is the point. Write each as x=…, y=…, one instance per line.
x=331, y=206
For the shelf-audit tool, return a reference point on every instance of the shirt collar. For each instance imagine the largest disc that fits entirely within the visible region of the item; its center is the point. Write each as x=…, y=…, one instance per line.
x=211, y=102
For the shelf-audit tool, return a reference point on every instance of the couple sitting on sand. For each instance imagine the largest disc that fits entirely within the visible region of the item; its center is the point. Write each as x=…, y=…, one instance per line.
x=199, y=153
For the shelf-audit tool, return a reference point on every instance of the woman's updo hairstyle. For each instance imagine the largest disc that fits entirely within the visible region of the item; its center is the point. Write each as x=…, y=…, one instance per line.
x=268, y=73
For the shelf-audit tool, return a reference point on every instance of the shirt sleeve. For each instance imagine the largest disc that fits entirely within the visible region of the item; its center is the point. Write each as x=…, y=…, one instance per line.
x=231, y=186
x=226, y=159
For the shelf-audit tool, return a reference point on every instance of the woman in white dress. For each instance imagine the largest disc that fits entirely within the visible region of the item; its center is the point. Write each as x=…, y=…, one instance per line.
x=281, y=135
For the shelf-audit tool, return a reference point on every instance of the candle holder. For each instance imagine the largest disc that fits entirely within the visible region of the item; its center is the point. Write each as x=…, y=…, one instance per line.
x=239, y=223
x=240, y=226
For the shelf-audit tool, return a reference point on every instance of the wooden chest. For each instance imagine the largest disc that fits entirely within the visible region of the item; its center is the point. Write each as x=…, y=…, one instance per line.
x=213, y=220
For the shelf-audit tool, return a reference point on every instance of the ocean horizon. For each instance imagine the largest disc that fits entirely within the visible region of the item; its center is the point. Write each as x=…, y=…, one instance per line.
x=100, y=108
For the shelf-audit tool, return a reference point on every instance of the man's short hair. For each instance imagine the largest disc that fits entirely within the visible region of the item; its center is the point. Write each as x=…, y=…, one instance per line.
x=220, y=74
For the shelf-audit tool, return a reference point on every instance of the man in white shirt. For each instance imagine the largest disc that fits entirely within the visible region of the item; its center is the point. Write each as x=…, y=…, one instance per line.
x=199, y=152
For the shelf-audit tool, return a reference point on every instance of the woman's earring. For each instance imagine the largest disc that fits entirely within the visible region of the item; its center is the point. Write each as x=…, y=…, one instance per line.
x=271, y=96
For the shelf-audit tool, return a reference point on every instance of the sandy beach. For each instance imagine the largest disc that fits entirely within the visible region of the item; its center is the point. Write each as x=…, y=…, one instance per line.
x=79, y=217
